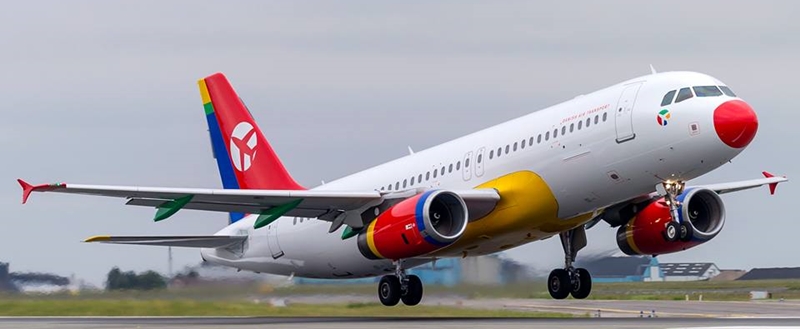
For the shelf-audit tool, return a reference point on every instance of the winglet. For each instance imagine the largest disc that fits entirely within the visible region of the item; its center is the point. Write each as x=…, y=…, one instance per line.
x=27, y=188
x=772, y=186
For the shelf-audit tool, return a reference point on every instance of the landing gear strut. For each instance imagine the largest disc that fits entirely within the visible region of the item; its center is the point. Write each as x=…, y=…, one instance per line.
x=569, y=280
x=677, y=228
x=400, y=286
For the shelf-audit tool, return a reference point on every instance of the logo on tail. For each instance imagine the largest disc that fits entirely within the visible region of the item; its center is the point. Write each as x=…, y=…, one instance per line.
x=243, y=146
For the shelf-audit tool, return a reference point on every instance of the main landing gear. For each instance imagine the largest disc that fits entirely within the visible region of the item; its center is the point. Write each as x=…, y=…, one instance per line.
x=677, y=228
x=400, y=286
x=569, y=280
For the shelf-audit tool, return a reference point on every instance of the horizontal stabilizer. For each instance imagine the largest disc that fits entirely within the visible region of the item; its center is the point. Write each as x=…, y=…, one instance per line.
x=207, y=241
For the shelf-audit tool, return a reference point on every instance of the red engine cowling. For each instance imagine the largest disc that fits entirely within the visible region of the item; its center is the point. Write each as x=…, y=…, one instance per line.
x=416, y=226
x=643, y=235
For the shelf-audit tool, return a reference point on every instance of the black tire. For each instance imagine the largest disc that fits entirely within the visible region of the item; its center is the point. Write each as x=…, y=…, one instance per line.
x=671, y=231
x=687, y=231
x=582, y=285
x=559, y=284
x=389, y=290
x=413, y=293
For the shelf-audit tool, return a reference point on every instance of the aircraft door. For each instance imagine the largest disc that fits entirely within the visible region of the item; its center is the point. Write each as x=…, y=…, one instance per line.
x=624, y=113
x=467, y=166
x=272, y=240
x=479, y=162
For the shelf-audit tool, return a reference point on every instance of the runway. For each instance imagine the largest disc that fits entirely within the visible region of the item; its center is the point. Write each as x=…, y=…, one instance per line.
x=385, y=323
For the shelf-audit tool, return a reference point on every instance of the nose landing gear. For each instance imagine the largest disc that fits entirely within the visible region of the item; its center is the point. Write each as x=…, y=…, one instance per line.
x=400, y=287
x=569, y=280
x=677, y=228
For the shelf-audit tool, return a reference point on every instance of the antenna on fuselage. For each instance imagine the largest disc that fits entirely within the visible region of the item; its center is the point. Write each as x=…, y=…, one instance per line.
x=410, y=151
x=652, y=69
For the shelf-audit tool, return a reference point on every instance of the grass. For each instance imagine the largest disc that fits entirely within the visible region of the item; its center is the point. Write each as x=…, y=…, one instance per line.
x=135, y=307
x=711, y=290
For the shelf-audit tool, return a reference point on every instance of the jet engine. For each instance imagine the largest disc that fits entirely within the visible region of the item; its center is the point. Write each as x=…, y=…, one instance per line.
x=643, y=235
x=415, y=226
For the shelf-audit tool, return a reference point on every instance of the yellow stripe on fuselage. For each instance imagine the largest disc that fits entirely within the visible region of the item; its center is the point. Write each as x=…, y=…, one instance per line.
x=204, y=91
x=371, y=239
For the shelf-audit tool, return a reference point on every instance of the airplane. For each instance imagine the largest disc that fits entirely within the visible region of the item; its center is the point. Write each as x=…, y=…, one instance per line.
x=622, y=155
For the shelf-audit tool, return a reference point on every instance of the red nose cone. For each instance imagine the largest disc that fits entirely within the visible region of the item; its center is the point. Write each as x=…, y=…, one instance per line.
x=736, y=123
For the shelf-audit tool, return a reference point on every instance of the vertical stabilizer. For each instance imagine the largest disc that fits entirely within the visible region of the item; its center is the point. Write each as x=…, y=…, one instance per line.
x=244, y=156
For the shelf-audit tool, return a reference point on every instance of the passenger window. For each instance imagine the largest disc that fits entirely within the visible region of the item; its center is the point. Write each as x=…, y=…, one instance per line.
x=389, y=187
x=458, y=164
x=668, y=98
x=294, y=222
x=515, y=146
x=491, y=154
x=596, y=119
x=539, y=139
x=412, y=181
x=522, y=144
x=507, y=148
x=435, y=172
x=419, y=179
x=480, y=157
x=466, y=163
x=563, y=130
x=442, y=173
x=580, y=123
x=555, y=133
x=571, y=127
x=547, y=136
x=499, y=151
x=530, y=142
x=428, y=176
x=605, y=116
x=397, y=185
x=683, y=95
x=707, y=91
x=404, y=183
x=727, y=91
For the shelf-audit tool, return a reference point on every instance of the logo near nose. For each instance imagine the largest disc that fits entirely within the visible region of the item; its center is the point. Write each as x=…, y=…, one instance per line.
x=663, y=116
x=243, y=146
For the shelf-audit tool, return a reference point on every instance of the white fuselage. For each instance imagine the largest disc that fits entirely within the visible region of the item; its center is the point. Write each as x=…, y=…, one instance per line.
x=593, y=151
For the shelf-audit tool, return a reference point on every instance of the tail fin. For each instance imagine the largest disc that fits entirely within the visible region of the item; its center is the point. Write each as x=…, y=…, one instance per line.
x=244, y=156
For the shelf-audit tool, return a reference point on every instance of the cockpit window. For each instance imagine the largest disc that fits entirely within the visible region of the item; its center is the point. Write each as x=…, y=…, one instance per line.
x=727, y=91
x=668, y=98
x=683, y=94
x=707, y=91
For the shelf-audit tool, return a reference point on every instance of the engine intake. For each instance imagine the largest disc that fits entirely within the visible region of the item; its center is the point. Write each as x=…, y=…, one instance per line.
x=643, y=235
x=416, y=226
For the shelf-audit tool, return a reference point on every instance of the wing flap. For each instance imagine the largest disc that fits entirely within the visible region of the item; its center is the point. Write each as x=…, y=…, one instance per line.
x=210, y=241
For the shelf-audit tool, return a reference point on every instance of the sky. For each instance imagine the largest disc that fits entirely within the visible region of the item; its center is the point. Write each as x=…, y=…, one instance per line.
x=102, y=92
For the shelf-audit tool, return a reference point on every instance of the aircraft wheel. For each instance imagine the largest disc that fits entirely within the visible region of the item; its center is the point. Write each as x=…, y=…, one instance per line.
x=686, y=231
x=582, y=284
x=671, y=231
x=559, y=283
x=389, y=290
x=413, y=292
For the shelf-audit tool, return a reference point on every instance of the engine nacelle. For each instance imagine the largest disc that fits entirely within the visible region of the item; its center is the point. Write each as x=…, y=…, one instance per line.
x=643, y=235
x=416, y=226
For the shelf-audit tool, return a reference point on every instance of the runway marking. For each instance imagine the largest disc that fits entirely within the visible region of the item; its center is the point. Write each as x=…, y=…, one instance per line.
x=624, y=311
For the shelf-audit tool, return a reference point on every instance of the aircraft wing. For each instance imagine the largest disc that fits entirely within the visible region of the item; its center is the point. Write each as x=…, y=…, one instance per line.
x=209, y=241
x=325, y=205
x=768, y=179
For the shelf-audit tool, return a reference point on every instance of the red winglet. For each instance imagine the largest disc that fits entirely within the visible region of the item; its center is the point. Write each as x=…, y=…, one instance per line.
x=28, y=188
x=772, y=186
